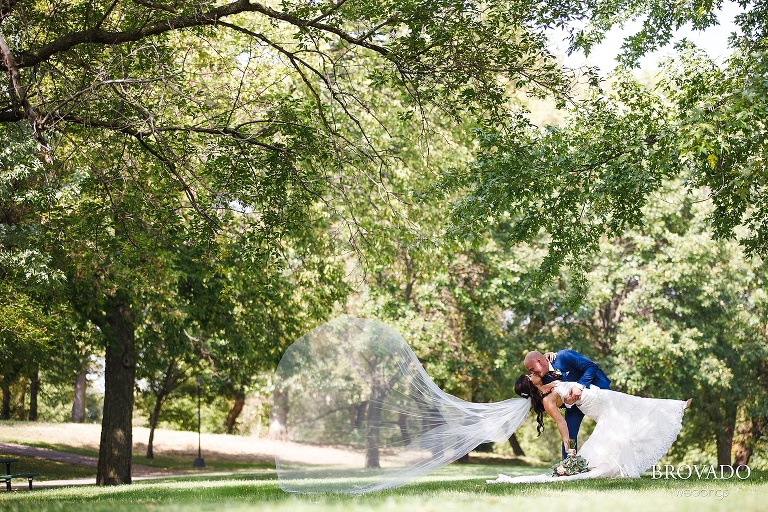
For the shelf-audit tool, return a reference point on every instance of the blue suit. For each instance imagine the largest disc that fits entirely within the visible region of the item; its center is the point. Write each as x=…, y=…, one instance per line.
x=577, y=368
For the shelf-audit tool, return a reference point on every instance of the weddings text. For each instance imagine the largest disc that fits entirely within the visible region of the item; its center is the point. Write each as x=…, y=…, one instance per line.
x=702, y=493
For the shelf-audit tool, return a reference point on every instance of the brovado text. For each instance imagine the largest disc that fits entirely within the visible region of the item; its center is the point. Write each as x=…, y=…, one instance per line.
x=685, y=471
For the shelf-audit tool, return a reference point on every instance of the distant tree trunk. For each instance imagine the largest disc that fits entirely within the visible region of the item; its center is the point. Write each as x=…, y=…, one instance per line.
x=372, y=434
x=78, y=401
x=154, y=417
x=516, y=448
x=234, y=412
x=22, y=401
x=5, y=412
x=34, y=389
x=115, y=455
x=357, y=414
x=402, y=422
x=750, y=433
x=725, y=438
x=432, y=420
x=278, y=415
x=172, y=378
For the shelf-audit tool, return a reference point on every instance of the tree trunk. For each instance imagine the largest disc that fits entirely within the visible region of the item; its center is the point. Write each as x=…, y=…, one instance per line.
x=432, y=420
x=278, y=415
x=402, y=422
x=235, y=411
x=516, y=448
x=78, y=402
x=372, y=434
x=749, y=435
x=5, y=412
x=34, y=389
x=357, y=414
x=725, y=439
x=154, y=417
x=171, y=380
x=22, y=401
x=119, y=376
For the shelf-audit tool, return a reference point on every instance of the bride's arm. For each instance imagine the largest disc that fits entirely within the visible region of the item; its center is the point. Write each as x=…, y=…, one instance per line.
x=551, y=406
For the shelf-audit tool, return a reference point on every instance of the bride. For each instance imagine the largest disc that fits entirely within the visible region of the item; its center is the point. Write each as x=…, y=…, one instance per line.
x=630, y=436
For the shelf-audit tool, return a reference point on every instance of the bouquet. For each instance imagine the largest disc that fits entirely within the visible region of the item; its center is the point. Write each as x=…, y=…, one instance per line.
x=572, y=464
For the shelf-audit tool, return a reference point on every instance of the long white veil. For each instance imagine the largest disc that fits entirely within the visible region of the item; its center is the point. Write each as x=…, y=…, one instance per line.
x=356, y=412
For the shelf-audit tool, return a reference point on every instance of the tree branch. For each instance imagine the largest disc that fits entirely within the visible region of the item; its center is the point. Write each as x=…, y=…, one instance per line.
x=153, y=5
x=107, y=13
x=141, y=137
x=334, y=7
x=19, y=99
x=198, y=19
x=122, y=128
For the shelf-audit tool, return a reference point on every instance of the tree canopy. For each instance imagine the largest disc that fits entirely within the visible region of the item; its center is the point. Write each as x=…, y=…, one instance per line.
x=700, y=122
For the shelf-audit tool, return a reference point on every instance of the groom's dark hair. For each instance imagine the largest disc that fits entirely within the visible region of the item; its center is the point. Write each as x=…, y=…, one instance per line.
x=526, y=389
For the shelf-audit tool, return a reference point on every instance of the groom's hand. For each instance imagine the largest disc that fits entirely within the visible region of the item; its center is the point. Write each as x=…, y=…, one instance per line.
x=573, y=395
x=550, y=356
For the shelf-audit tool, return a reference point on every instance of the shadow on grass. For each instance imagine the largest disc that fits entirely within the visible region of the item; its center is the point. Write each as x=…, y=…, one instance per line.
x=49, y=469
x=214, y=461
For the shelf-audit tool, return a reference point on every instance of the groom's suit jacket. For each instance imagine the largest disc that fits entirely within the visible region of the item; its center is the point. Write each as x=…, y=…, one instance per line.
x=577, y=368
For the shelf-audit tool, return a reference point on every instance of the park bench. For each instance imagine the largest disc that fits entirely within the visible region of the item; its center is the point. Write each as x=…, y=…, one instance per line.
x=7, y=478
x=10, y=476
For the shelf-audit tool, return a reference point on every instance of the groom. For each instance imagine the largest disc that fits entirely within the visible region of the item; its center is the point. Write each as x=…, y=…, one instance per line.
x=569, y=366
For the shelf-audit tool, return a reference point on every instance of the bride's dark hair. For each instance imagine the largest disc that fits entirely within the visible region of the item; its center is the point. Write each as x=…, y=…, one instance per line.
x=526, y=389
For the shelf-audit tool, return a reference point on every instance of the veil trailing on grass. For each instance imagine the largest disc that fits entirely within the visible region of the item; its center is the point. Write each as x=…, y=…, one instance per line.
x=356, y=412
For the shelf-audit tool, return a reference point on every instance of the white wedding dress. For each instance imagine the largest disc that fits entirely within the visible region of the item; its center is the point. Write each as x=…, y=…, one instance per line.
x=631, y=434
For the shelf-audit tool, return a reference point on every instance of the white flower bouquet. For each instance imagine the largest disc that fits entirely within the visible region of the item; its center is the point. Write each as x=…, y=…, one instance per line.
x=572, y=464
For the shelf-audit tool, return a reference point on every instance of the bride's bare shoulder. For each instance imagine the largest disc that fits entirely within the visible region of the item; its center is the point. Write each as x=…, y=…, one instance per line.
x=546, y=388
x=552, y=400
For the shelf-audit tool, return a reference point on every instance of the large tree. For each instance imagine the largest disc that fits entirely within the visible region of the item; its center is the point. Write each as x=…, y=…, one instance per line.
x=154, y=120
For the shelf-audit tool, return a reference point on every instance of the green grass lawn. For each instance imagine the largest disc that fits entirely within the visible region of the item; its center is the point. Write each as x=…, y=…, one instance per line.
x=457, y=488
